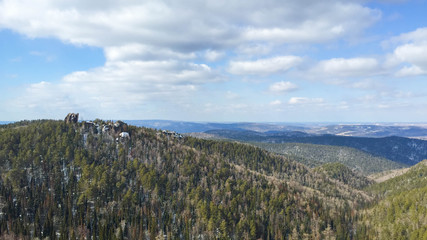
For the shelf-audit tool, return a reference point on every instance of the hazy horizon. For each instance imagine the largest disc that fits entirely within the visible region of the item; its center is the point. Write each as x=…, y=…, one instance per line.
x=248, y=122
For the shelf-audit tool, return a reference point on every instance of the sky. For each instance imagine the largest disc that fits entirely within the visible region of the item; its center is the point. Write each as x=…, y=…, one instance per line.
x=214, y=60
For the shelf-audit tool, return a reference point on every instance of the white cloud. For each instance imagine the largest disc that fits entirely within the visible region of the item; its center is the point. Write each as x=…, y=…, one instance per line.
x=121, y=86
x=264, y=66
x=152, y=47
x=333, y=19
x=276, y=103
x=282, y=87
x=305, y=101
x=172, y=24
x=410, y=54
x=213, y=56
x=410, y=71
x=347, y=67
x=254, y=49
x=136, y=51
x=419, y=35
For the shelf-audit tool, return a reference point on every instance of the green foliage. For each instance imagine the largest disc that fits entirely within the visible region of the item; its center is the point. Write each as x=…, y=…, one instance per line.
x=67, y=181
x=415, y=178
x=343, y=174
x=404, y=151
x=314, y=155
x=401, y=212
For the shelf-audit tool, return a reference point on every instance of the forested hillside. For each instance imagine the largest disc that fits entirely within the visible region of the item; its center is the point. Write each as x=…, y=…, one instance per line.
x=401, y=212
x=343, y=174
x=315, y=155
x=401, y=150
x=85, y=180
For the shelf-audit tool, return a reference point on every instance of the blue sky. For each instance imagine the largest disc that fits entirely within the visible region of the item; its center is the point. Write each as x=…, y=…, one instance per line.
x=269, y=61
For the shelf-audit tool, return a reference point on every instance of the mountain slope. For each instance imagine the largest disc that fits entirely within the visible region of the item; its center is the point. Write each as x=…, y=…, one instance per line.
x=404, y=151
x=315, y=155
x=85, y=181
x=402, y=211
x=343, y=174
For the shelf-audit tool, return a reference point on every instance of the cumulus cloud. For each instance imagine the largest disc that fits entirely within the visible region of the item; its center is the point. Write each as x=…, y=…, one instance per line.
x=347, y=67
x=254, y=49
x=419, y=35
x=172, y=24
x=276, y=103
x=305, y=101
x=282, y=87
x=136, y=51
x=155, y=50
x=332, y=20
x=413, y=53
x=264, y=66
x=409, y=53
x=121, y=85
x=410, y=71
x=213, y=56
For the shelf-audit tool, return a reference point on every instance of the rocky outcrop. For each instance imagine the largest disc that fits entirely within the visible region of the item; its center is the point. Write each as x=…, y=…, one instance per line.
x=72, y=118
x=119, y=127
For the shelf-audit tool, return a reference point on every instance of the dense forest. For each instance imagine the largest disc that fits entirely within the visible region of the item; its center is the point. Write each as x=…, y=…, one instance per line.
x=405, y=151
x=342, y=173
x=89, y=180
x=315, y=155
x=401, y=212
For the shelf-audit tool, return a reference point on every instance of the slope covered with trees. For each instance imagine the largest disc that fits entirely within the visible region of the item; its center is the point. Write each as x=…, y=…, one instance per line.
x=69, y=181
x=401, y=150
x=343, y=174
x=401, y=212
x=315, y=155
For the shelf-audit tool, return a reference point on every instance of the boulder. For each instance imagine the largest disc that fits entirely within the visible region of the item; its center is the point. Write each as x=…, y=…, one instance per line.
x=119, y=127
x=72, y=118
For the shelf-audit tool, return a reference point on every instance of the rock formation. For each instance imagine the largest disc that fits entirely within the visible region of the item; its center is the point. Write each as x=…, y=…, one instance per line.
x=119, y=127
x=72, y=118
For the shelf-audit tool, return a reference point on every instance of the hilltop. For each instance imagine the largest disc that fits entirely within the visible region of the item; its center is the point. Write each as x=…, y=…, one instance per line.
x=111, y=180
x=75, y=181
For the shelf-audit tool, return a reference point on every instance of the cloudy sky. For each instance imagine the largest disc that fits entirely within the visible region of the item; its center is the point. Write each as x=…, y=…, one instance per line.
x=214, y=60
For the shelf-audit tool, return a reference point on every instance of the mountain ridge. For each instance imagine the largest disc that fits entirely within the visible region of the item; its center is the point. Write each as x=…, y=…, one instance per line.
x=315, y=155
x=410, y=130
x=73, y=181
x=402, y=150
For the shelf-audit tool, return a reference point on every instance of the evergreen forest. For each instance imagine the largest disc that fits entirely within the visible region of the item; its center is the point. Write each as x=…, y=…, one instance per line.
x=89, y=181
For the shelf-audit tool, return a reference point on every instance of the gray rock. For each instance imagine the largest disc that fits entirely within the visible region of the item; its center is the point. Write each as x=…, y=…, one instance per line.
x=72, y=118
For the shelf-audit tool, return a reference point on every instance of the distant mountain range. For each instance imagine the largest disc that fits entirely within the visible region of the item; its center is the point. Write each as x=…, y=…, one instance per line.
x=355, y=130
x=315, y=155
x=189, y=127
x=400, y=143
x=402, y=150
